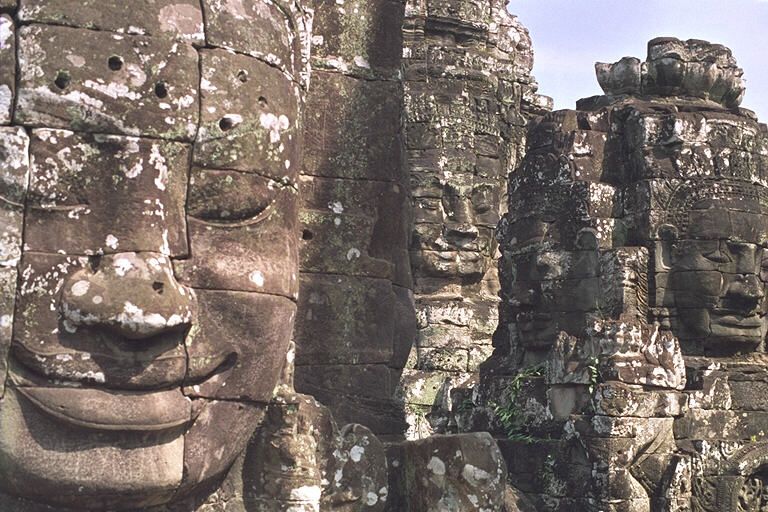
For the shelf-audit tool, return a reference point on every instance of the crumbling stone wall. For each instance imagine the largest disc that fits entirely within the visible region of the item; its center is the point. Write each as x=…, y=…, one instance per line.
x=468, y=97
x=356, y=322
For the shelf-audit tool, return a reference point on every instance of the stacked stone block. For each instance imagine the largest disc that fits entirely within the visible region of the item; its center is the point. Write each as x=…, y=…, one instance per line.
x=356, y=324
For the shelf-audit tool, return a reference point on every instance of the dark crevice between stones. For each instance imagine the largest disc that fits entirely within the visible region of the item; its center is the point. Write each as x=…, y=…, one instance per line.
x=17, y=76
x=205, y=24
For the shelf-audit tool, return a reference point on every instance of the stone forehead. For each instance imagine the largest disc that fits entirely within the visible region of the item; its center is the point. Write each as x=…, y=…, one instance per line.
x=750, y=199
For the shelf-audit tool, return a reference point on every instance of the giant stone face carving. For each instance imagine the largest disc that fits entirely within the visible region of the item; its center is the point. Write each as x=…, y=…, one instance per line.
x=158, y=274
x=715, y=252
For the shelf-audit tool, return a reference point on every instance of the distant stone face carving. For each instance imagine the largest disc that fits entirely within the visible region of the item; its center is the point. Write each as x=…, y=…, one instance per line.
x=157, y=279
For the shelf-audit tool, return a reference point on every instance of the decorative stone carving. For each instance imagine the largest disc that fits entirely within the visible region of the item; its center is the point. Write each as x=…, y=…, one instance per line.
x=677, y=68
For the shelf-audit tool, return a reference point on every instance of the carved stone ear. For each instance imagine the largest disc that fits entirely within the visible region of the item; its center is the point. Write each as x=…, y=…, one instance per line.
x=586, y=240
x=663, y=253
x=668, y=232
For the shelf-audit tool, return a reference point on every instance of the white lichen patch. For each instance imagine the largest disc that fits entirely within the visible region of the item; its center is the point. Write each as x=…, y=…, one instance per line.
x=356, y=453
x=353, y=253
x=436, y=466
x=111, y=241
x=158, y=161
x=257, y=278
x=80, y=288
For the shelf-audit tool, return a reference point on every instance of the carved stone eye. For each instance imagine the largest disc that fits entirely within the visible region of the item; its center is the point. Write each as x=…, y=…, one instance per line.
x=229, y=196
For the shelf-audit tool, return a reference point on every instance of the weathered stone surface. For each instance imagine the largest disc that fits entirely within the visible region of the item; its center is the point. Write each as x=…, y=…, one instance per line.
x=364, y=393
x=124, y=194
x=354, y=218
x=301, y=460
x=351, y=129
x=176, y=19
x=247, y=250
x=14, y=147
x=461, y=472
x=249, y=116
x=8, y=276
x=208, y=455
x=230, y=26
x=137, y=356
x=107, y=83
x=8, y=64
x=364, y=335
x=259, y=328
x=42, y=453
x=14, y=153
x=358, y=38
x=630, y=269
x=354, y=227
x=467, y=86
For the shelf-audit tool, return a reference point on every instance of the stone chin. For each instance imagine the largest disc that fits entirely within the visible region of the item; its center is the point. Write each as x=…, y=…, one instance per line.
x=65, y=460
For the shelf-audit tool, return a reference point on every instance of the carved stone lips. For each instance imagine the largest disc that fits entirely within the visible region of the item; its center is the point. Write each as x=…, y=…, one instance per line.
x=113, y=410
x=738, y=321
x=102, y=407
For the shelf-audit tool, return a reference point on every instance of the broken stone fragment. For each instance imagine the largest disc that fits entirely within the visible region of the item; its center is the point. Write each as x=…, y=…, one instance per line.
x=7, y=67
x=622, y=77
x=301, y=460
x=462, y=473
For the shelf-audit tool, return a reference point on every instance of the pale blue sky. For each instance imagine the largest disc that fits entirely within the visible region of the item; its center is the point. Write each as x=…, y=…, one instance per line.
x=569, y=36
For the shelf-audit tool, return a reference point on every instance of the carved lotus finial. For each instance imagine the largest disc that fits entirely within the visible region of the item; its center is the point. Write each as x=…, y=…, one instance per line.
x=692, y=68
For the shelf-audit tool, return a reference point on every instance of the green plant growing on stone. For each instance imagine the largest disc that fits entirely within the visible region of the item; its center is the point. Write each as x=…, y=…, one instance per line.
x=506, y=413
x=593, y=371
x=466, y=405
x=546, y=472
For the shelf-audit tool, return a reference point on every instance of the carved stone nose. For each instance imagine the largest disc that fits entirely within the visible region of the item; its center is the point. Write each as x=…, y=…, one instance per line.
x=132, y=294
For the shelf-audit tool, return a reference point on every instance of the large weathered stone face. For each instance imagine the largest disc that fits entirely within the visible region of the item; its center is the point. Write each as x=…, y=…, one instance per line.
x=717, y=271
x=157, y=279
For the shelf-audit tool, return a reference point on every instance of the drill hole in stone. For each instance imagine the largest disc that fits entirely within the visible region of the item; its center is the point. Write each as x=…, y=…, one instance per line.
x=115, y=63
x=158, y=287
x=226, y=124
x=307, y=235
x=63, y=79
x=262, y=102
x=94, y=262
x=242, y=75
x=161, y=91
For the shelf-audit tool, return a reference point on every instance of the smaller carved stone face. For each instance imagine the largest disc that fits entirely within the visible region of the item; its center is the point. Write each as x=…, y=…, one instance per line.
x=717, y=280
x=457, y=235
x=551, y=292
